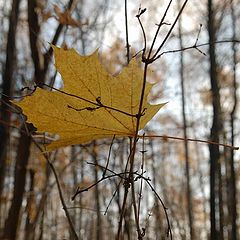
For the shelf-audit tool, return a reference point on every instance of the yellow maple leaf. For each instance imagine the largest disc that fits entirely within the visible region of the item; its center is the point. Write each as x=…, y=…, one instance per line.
x=92, y=105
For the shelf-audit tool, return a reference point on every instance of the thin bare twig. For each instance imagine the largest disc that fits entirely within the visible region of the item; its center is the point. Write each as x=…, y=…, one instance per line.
x=169, y=231
x=78, y=191
x=158, y=29
x=114, y=194
x=170, y=31
x=196, y=46
x=75, y=236
x=164, y=137
x=98, y=103
x=126, y=28
x=109, y=154
x=140, y=12
x=142, y=172
x=199, y=31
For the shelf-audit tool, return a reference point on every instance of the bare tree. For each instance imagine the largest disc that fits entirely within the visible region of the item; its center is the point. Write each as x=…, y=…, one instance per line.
x=216, y=120
x=7, y=86
x=183, y=104
x=233, y=199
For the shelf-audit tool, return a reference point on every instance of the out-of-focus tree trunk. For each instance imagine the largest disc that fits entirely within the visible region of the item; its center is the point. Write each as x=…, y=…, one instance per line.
x=220, y=200
x=11, y=224
x=216, y=122
x=233, y=200
x=99, y=231
x=40, y=71
x=34, y=29
x=81, y=225
x=30, y=202
x=40, y=209
x=41, y=229
x=127, y=223
x=7, y=87
x=74, y=213
x=188, y=184
x=24, y=140
x=158, y=223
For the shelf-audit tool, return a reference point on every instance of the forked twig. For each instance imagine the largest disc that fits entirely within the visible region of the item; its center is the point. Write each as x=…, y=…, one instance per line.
x=78, y=191
x=196, y=46
x=158, y=29
x=170, y=30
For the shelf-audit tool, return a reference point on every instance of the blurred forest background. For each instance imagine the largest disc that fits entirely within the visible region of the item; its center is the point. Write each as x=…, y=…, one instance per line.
x=197, y=182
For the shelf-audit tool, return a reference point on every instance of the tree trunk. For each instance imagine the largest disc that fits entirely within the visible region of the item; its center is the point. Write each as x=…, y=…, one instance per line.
x=233, y=200
x=7, y=87
x=216, y=122
x=220, y=200
x=10, y=230
x=30, y=201
x=187, y=171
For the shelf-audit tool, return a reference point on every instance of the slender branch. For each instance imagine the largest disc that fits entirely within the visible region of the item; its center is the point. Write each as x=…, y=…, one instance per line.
x=85, y=208
x=198, y=34
x=98, y=103
x=78, y=191
x=109, y=154
x=196, y=46
x=164, y=137
x=126, y=187
x=169, y=232
x=143, y=31
x=170, y=30
x=114, y=194
x=142, y=172
x=158, y=29
x=126, y=28
x=75, y=236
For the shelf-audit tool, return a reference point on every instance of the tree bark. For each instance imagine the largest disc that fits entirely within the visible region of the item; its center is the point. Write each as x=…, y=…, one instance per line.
x=11, y=224
x=34, y=28
x=233, y=200
x=7, y=87
x=216, y=121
